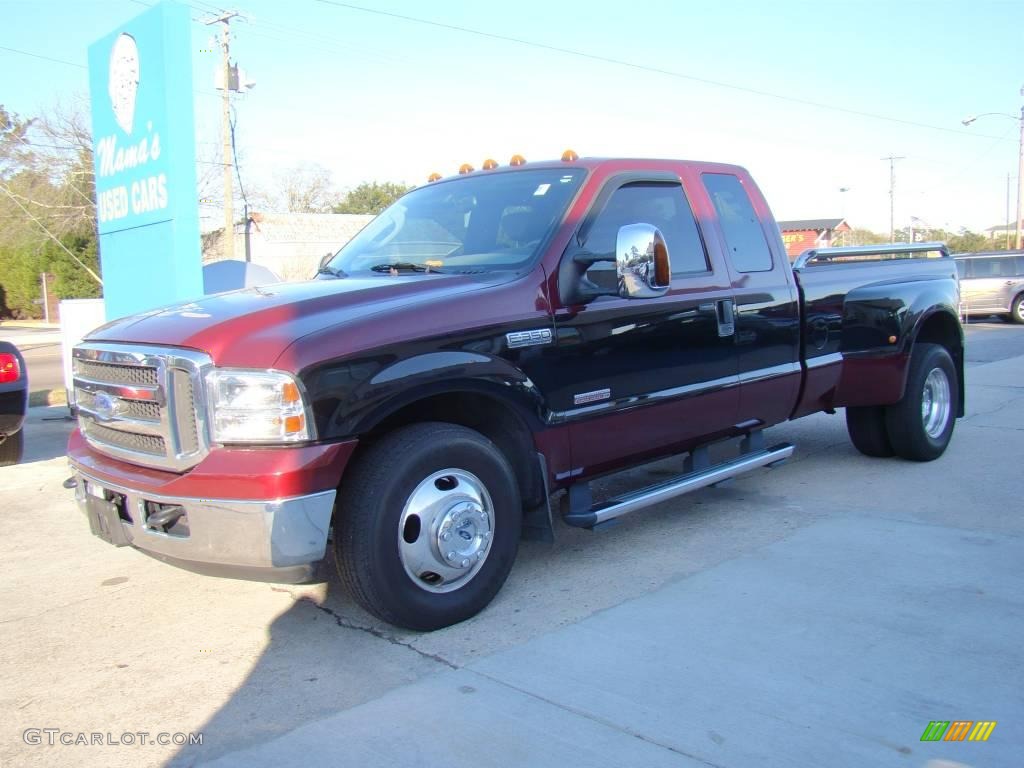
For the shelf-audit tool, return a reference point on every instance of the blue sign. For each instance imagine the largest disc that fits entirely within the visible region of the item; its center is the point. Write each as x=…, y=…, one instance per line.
x=140, y=80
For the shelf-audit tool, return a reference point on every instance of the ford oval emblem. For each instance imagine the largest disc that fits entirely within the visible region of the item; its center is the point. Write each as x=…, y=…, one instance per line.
x=103, y=405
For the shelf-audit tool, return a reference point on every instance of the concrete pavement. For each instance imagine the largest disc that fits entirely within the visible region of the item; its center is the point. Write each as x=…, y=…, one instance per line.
x=818, y=614
x=834, y=647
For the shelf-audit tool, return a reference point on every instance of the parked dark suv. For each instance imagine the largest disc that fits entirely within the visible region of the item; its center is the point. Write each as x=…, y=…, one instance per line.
x=992, y=284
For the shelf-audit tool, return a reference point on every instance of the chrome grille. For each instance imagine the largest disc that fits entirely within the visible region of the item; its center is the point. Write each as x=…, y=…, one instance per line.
x=142, y=375
x=135, y=409
x=185, y=410
x=142, y=404
x=128, y=440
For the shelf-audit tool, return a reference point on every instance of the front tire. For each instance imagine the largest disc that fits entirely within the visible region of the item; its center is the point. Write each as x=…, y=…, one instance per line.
x=920, y=426
x=428, y=525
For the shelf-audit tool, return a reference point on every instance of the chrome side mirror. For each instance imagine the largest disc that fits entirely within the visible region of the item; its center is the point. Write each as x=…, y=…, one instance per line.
x=642, y=262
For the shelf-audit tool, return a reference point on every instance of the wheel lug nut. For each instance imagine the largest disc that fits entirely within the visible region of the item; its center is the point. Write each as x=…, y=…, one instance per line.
x=452, y=556
x=465, y=563
x=446, y=536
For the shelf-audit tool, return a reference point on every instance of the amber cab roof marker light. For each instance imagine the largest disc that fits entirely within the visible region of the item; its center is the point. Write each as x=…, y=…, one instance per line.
x=465, y=168
x=435, y=176
x=517, y=160
x=489, y=164
x=569, y=156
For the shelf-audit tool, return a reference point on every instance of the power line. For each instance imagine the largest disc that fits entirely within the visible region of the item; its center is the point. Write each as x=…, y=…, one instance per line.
x=52, y=236
x=643, y=67
x=40, y=56
x=25, y=141
x=234, y=155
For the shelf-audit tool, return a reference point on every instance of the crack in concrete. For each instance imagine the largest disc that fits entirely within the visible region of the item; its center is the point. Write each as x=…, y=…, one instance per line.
x=997, y=426
x=595, y=719
x=344, y=623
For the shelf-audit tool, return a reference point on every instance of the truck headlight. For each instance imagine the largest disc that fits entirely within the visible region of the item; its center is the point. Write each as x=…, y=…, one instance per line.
x=256, y=407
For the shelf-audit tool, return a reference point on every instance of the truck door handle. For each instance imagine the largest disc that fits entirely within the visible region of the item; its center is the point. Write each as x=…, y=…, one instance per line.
x=724, y=311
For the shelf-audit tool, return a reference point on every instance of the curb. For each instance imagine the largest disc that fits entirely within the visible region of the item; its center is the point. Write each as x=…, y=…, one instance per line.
x=47, y=397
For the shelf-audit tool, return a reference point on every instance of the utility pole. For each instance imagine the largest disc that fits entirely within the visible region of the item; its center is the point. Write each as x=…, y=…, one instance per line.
x=225, y=129
x=1020, y=170
x=1007, y=211
x=892, y=195
x=1020, y=160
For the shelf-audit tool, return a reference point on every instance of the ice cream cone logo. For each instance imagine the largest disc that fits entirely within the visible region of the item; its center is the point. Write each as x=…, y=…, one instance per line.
x=124, y=80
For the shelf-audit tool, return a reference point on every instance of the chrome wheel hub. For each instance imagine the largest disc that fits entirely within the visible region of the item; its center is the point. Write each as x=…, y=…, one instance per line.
x=935, y=403
x=445, y=531
x=463, y=535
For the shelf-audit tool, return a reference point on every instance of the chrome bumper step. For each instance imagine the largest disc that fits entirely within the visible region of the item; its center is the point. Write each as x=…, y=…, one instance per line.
x=578, y=510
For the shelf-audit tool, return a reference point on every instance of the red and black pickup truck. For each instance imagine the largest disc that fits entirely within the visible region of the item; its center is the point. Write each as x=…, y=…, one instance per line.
x=489, y=340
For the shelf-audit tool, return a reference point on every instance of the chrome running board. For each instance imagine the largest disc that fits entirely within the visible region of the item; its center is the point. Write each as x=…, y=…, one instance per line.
x=581, y=515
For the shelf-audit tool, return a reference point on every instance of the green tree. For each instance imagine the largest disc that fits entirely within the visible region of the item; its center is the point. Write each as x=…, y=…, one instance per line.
x=72, y=281
x=968, y=242
x=20, y=267
x=371, y=197
x=863, y=237
x=47, y=205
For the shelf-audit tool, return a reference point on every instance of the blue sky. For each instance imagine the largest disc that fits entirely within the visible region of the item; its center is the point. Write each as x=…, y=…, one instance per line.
x=374, y=97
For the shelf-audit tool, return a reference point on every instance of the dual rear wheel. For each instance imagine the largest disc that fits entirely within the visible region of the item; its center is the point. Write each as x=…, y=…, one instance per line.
x=920, y=426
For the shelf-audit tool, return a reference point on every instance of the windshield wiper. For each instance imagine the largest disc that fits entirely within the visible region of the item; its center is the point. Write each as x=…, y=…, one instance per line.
x=406, y=265
x=325, y=270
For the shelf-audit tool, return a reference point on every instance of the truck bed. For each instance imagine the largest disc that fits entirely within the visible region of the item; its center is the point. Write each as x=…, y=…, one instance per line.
x=860, y=310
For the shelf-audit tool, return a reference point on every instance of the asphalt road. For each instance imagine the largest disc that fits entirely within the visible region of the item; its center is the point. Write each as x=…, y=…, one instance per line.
x=41, y=349
x=993, y=340
x=45, y=367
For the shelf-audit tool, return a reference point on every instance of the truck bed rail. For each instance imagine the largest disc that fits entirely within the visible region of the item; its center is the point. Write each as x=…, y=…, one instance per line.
x=885, y=252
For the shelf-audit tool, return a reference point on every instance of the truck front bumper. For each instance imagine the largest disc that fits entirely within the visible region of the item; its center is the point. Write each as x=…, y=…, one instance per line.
x=260, y=514
x=277, y=540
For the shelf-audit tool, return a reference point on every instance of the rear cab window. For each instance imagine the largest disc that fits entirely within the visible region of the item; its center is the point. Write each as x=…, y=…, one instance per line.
x=744, y=237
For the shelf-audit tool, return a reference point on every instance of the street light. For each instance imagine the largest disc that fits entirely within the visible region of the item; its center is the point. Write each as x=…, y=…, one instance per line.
x=843, y=190
x=1020, y=159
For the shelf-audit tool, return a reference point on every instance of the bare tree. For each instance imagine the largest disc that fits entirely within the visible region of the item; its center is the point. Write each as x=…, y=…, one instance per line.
x=307, y=189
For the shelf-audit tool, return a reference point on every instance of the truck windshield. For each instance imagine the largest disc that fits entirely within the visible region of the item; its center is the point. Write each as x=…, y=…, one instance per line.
x=492, y=221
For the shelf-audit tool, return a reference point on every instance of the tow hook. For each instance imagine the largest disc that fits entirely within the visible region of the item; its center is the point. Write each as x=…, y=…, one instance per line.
x=163, y=515
x=70, y=483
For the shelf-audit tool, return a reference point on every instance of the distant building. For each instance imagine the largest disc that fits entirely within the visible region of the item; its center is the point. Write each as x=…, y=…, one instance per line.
x=288, y=244
x=800, y=235
x=1001, y=231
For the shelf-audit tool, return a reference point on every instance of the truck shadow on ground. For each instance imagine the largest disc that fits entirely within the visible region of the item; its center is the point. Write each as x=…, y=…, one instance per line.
x=325, y=654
